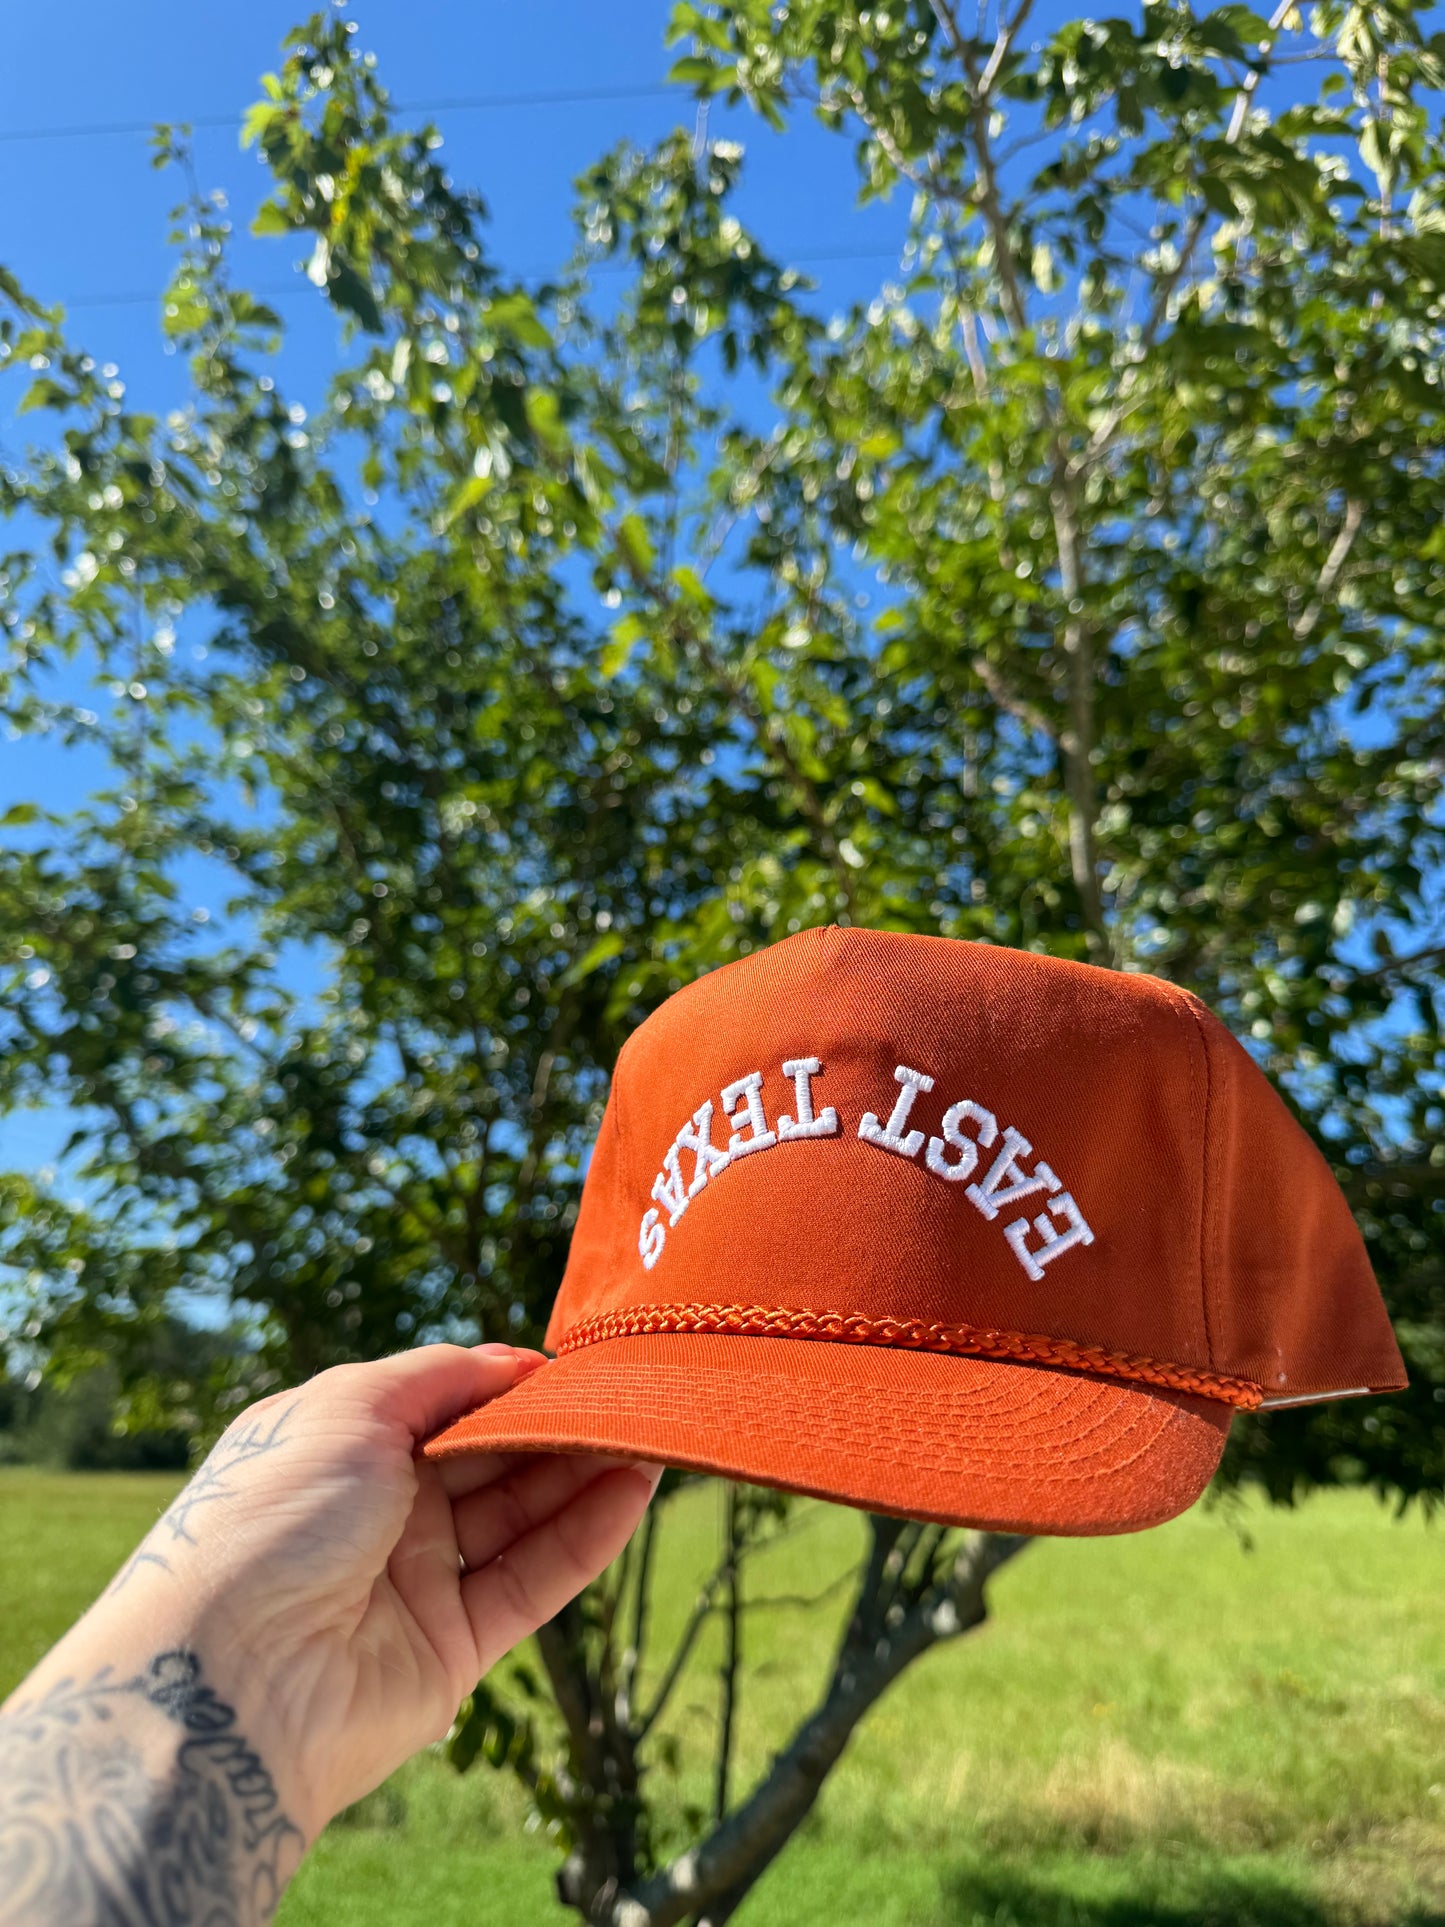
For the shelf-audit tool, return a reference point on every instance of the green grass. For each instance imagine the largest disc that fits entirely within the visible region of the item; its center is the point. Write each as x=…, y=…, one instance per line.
x=1160, y=1729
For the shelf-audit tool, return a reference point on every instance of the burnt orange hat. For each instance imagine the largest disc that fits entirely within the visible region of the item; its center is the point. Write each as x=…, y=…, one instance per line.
x=946, y=1230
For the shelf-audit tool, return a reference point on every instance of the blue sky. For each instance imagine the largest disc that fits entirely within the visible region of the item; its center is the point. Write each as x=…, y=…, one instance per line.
x=525, y=96
x=83, y=214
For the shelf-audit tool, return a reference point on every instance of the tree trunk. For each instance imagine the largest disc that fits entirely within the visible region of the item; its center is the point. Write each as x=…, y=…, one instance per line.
x=602, y=1796
x=894, y=1620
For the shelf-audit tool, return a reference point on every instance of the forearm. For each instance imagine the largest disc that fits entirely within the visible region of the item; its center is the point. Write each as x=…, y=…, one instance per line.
x=135, y=1786
x=311, y=1609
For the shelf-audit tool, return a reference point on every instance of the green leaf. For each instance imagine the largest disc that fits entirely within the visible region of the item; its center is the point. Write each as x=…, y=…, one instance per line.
x=617, y=651
x=703, y=75
x=544, y=417
x=259, y=120
x=271, y=218
x=636, y=544
x=606, y=947
x=1245, y=23
x=352, y=294
x=45, y=393
x=466, y=495
x=1217, y=195
x=515, y=315
x=692, y=586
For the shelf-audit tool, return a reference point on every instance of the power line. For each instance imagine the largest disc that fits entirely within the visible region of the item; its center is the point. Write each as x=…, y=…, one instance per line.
x=581, y=97
x=293, y=291
x=144, y=297
x=457, y=104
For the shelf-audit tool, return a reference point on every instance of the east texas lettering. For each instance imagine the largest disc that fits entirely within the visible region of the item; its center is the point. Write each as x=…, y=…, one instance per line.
x=967, y=1129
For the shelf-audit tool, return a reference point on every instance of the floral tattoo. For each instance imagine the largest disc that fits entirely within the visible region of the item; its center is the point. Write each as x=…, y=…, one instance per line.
x=108, y=1816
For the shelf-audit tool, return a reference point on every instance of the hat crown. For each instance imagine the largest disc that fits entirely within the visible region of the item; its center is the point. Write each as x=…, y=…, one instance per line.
x=924, y=1135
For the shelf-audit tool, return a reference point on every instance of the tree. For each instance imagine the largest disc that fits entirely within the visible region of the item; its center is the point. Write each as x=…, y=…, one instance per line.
x=1081, y=592
x=79, y=1423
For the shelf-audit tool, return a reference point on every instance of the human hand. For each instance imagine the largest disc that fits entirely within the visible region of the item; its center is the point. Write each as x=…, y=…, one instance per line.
x=339, y=1593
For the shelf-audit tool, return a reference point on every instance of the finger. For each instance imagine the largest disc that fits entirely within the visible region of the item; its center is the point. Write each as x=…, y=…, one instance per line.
x=425, y=1571
x=497, y=1515
x=514, y=1595
x=421, y=1390
x=469, y=1471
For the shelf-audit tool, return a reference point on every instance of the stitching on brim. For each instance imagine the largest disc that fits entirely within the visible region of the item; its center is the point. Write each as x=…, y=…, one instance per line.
x=905, y=1334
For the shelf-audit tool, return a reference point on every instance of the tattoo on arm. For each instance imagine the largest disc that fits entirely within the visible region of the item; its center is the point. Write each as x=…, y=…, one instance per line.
x=137, y=1802
x=178, y=1524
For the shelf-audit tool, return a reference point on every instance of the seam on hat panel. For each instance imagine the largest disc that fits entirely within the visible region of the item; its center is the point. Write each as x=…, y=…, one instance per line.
x=906, y=1334
x=1210, y=1171
x=622, y=1188
x=1176, y=996
x=612, y=1119
x=611, y=1104
x=1210, y=1259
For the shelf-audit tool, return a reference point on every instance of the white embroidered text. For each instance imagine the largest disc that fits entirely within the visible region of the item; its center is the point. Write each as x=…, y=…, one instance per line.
x=956, y=1154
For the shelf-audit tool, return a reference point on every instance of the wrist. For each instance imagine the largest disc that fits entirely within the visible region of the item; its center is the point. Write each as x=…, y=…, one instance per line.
x=140, y=1790
x=176, y=1658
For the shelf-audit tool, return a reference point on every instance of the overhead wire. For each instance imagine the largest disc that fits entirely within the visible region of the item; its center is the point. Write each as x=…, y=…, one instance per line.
x=293, y=290
x=456, y=104
x=459, y=103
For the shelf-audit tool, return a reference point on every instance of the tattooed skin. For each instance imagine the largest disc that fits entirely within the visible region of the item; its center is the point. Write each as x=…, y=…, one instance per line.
x=237, y=1448
x=137, y=1803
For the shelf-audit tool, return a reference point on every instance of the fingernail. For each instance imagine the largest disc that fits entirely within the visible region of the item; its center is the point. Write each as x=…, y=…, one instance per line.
x=649, y=1468
x=495, y=1351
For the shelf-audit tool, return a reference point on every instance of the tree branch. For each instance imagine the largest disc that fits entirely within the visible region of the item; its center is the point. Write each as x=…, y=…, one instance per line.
x=770, y=727
x=1076, y=740
x=558, y=1647
x=703, y=1605
x=989, y=201
x=732, y=1655
x=1165, y=288
x=601, y=1788
x=632, y=1652
x=731, y=1860
x=925, y=176
x=1008, y=699
x=802, y=1601
x=1389, y=969
x=1418, y=1178
x=728, y=518
x=1003, y=46
x=1334, y=563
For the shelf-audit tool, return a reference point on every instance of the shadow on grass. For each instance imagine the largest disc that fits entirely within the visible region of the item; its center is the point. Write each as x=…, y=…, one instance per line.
x=1186, y=1897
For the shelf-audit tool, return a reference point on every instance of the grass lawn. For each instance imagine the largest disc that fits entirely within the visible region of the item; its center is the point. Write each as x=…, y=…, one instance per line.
x=1161, y=1729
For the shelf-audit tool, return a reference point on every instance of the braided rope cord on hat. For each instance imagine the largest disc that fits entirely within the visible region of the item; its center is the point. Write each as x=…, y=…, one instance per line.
x=905, y=1334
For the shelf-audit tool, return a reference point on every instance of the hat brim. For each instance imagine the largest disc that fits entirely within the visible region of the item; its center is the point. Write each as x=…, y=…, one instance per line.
x=962, y=1441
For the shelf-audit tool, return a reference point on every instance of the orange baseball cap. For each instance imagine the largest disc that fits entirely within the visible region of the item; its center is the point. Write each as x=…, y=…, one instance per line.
x=949, y=1231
